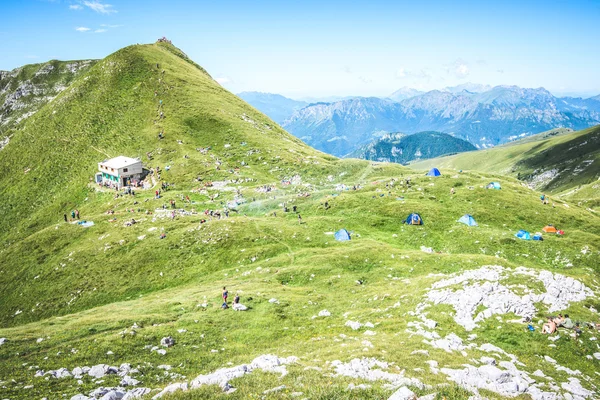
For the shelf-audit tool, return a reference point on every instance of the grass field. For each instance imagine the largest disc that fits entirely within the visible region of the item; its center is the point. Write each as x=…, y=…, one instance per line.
x=554, y=161
x=71, y=295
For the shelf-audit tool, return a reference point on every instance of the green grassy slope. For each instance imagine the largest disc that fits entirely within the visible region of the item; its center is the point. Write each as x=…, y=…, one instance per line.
x=549, y=162
x=112, y=110
x=80, y=290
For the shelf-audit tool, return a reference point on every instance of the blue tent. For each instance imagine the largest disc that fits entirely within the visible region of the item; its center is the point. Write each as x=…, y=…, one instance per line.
x=494, y=185
x=538, y=236
x=342, y=235
x=414, y=219
x=523, y=235
x=468, y=220
x=434, y=172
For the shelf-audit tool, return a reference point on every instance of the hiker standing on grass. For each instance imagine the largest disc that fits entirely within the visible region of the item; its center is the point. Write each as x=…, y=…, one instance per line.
x=225, y=294
x=299, y=219
x=73, y=214
x=66, y=219
x=452, y=191
x=77, y=214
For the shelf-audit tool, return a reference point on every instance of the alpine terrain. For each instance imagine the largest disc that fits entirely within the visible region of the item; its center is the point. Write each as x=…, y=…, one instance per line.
x=238, y=262
x=485, y=117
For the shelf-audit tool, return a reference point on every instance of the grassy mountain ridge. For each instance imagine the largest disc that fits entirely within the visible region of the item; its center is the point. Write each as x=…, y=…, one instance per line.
x=113, y=110
x=107, y=294
x=400, y=148
x=553, y=161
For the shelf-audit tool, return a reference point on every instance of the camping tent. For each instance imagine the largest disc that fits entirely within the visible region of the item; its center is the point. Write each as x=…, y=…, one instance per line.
x=414, y=219
x=538, y=236
x=549, y=229
x=494, y=185
x=523, y=235
x=342, y=235
x=468, y=220
x=434, y=172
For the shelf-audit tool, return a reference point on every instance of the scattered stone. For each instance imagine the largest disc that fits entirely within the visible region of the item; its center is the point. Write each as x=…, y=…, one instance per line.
x=167, y=341
x=574, y=386
x=403, y=393
x=172, y=388
x=324, y=313
x=239, y=307
x=371, y=369
x=129, y=381
x=362, y=386
x=98, y=371
x=137, y=393
x=275, y=389
x=273, y=301
x=2, y=341
x=353, y=324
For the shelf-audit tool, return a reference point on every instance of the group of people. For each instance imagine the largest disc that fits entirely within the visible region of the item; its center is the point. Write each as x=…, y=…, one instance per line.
x=560, y=321
x=236, y=300
x=74, y=215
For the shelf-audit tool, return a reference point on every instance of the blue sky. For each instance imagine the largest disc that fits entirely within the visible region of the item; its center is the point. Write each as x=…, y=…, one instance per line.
x=328, y=48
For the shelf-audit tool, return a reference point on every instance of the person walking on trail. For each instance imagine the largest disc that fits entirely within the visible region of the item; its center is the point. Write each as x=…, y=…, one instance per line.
x=225, y=294
x=66, y=219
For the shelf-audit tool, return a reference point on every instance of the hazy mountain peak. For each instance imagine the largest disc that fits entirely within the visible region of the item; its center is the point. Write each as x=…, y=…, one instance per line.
x=468, y=87
x=404, y=93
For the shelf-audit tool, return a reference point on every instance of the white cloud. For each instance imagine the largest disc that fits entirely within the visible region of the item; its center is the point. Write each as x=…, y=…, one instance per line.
x=458, y=68
x=222, y=80
x=422, y=74
x=82, y=29
x=100, y=31
x=75, y=7
x=100, y=7
x=461, y=71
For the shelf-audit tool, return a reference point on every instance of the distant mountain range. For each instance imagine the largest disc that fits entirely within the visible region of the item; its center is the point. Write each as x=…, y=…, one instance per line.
x=482, y=115
x=277, y=107
x=401, y=148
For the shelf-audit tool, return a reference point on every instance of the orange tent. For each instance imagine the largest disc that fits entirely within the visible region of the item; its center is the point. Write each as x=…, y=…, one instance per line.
x=549, y=229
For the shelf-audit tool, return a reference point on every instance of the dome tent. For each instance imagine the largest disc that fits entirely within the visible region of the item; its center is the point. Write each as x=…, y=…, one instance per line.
x=549, y=229
x=494, y=185
x=524, y=235
x=434, y=172
x=468, y=219
x=414, y=219
x=342, y=235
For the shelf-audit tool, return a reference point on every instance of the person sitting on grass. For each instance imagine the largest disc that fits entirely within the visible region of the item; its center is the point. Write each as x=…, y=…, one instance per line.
x=559, y=320
x=567, y=323
x=577, y=330
x=549, y=327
